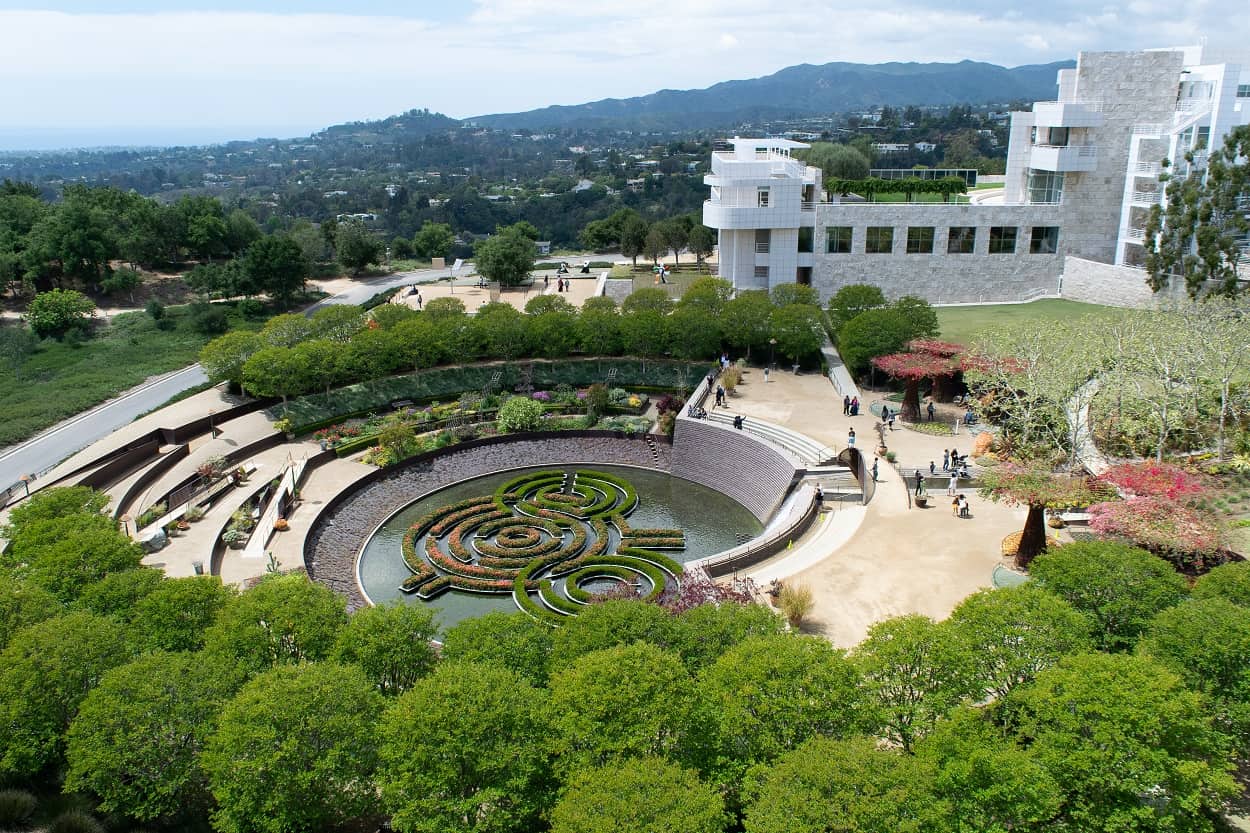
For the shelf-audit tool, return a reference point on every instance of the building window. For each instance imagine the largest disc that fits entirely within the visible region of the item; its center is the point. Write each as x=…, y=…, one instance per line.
x=761, y=271
x=961, y=240
x=879, y=240
x=761, y=196
x=803, y=276
x=920, y=240
x=838, y=240
x=805, y=239
x=1057, y=137
x=1243, y=90
x=1045, y=187
x=1002, y=240
x=763, y=240
x=1044, y=240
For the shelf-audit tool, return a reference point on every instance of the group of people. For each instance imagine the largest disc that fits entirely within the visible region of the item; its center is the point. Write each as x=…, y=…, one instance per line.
x=850, y=406
x=960, y=508
x=953, y=461
x=887, y=416
x=561, y=284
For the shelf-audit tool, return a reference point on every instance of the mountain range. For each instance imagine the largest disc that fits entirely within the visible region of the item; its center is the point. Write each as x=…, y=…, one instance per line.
x=800, y=90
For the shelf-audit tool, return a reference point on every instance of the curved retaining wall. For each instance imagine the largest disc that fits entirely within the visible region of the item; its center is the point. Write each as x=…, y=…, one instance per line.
x=344, y=523
x=748, y=469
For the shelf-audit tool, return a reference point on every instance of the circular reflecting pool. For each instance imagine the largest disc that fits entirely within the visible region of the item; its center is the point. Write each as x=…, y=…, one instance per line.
x=463, y=550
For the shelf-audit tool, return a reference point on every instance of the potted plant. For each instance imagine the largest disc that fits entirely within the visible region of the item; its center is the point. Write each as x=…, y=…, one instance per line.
x=281, y=525
x=922, y=500
x=193, y=514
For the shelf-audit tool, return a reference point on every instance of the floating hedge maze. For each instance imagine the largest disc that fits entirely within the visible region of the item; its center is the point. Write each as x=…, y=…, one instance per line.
x=542, y=537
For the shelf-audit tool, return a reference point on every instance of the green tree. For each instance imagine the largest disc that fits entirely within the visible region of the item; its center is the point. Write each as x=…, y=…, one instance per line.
x=45, y=672
x=919, y=315
x=434, y=240
x=648, y=795
x=136, y=738
x=541, y=304
x=850, y=301
x=241, y=231
x=519, y=413
x=295, y=749
x=22, y=604
x=702, y=633
x=463, y=750
x=599, y=327
x=1227, y=581
x=702, y=241
x=276, y=371
x=607, y=625
x=501, y=331
x=694, y=333
x=65, y=555
x=320, y=358
x=281, y=620
x=875, y=332
x=1117, y=588
x=1198, y=237
x=506, y=258
x=837, y=162
x=53, y=504
x=644, y=333
x=276, y=265
x=17, y=345
x=55, y=313
x=391, y=644
x=1207, y=642
x=286, y=330
x=710, y=294
x=356, y=247
x=747, y=320
x=676, y=231
x=176, y=613
x=311, y=241
x=827, y=785
x=116, y=594
x=122, y=281
x=424, y=340
x=656, y=243
x=914, y=672
x=634, y=233
x=768, y=694
x=786, y=294
x=552, y=334
x=1132, y=748
x=339, y=322
x=1012, y=633
x=797, y=330
x=628, y=701
x=223, y=357
x=649, y=299
x=990, y=784
x=511, y=641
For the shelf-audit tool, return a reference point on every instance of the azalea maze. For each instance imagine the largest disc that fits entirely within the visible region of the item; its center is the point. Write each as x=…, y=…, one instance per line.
x=537, y=532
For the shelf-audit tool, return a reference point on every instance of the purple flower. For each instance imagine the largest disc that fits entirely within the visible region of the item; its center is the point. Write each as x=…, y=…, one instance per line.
x=581, y=394
x=541, y=396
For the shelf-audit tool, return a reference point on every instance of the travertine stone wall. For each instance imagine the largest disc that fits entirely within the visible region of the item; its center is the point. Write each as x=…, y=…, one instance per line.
x=1103, y=283
x=723, y=458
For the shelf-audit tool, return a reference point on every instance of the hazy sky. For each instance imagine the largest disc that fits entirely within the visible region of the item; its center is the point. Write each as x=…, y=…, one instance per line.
x=287, y=67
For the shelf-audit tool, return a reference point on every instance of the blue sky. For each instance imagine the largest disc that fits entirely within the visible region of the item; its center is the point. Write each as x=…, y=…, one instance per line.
x=287, y=67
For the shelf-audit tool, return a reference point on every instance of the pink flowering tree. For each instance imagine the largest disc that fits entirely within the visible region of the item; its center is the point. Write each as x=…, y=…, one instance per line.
x=1180, y=532
x=1151, y=479
x=1038, y=489
x=954, y=355
x=912, y=368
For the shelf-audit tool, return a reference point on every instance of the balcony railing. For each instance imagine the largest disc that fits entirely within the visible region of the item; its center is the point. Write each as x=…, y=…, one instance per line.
x=762, y=248
x=1146, y=197
x=1146, y=169
x=1137, y=234
x=808, y=205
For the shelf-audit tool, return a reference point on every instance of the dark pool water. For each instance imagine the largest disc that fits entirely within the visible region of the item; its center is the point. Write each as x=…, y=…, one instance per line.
x=712, y=522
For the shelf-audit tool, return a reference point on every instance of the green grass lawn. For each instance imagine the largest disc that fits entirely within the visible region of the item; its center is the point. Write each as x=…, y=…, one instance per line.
x=61, y=379
x=962, y=324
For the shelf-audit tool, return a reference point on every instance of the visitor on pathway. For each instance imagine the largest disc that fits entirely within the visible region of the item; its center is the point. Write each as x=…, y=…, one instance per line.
x=854, y=406
x=955, y=508
x=850, y=438
x=929, y=409
x=950, y=489
x=919, y=482
x=874, y=469
x=969, y=417
x=546, y=281
x=846, y=406
x=720, y=396
x=964, y=511
x=946, y=459
x=932, y=468
x=892, y=415
x=738, y=420
x=885, y=414
x=820, y=495
x=724, y=361
x=765, y=374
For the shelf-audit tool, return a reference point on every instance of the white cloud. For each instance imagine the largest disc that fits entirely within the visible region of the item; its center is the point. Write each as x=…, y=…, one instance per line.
x=196, y=68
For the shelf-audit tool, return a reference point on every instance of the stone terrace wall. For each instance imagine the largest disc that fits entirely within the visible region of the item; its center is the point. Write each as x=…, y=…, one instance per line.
x=720, y=457
x=1104, y=283
x=337, y=536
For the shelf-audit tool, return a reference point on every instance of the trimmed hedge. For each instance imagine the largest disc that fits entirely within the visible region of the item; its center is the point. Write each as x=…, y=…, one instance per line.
x=443, y=382
x=577, y=594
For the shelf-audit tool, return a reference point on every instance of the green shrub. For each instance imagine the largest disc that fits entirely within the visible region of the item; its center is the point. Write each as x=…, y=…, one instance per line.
x=209, y=319
x=250, y=308
x=519, y=413
x=75, y=821
x=156, y=510
x=59, y=312
x=16, y=809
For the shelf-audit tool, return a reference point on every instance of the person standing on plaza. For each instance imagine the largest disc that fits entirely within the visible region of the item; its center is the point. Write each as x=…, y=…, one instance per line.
x=946, y=460
x=892, y=415
x=846, y=406
x=932, y=468
x=850, y=438
x=854, y=406
x=874, y=469
x=930, y=411
x=954, y=484
x=720, y=396
x=919, y=482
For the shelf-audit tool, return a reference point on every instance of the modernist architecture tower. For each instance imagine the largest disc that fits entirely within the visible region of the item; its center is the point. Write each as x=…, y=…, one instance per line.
x=1082, y=173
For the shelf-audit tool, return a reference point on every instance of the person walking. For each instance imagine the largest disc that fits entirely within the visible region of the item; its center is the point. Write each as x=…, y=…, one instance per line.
x=932, y=468
x=919, y=482
x=951, y=489
x=720, y=396
x=765, y=373
x=850, y=438
x=546, y=281
x=854, y=406
x=930, y=411
x=846, y=406
x=946, y=459
x=874, y=469
x=419, y=300
x=964, y=510
x=820, y=495
x=738, y=420
x=892, y=415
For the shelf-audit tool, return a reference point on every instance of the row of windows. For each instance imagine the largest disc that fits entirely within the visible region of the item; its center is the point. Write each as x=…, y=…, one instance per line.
x=960, y=240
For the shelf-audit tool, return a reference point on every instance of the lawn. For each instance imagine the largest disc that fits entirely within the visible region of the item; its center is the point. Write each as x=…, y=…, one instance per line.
x=62, y=379
x=962, y=324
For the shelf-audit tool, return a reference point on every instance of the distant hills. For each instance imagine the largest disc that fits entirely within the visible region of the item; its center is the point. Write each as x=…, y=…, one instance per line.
x=800, y=90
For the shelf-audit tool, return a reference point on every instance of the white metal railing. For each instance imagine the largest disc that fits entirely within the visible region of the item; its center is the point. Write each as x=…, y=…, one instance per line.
x=1149, y=129
x=1146, y=197
x=737, y=204
x=762, y=248
x=1146, y=168
x=1094, y=106
x=1135, y=234
x=808, y=205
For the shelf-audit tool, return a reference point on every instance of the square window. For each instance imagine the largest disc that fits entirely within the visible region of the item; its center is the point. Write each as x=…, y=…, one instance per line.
x=1002, y=240
x=920, y=240
x=1044, y=240
x=761, y=271
x=761, y=196
x=961, y=240
x=879, y=240
x=838, y=240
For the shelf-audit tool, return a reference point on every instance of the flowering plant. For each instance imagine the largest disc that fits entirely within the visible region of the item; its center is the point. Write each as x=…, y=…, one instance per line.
x=541, y=396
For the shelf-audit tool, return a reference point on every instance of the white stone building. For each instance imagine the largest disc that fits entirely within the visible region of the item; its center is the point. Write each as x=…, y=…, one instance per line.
x=1082, y=173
